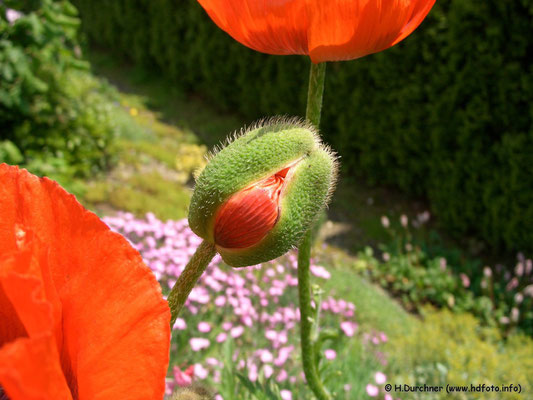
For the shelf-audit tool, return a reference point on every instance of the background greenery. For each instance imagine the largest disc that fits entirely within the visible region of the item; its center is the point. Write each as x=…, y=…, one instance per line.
x=449, y=117
x=445, y=114
x=56, y=118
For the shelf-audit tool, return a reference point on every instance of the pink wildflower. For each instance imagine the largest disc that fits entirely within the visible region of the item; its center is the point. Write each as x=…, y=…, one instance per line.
x=252, y=372
x=180, y=324
x=204, y=327
x=372, y=390
x=285, y=394
x=183, y=378
x=266, y=356
x=348, y=328
x=465, y=280
x=227, y=326
x=283, y=355
x=198, y=344
x=330, y=354
x=12, y=15
x=220, y=301
x=268, y=371
x=380, y=378
x=237, y=331
x=271, y=335
x=282, y=376
x=320, y=272
x=200, y=371
x=211, y=361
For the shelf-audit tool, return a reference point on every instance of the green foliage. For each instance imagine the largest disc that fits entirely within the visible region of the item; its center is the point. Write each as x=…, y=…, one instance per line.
x=417, y=279
x=418, y=274
x=156, y=162
x=375, y=307
x=9, y=153
x=446, y=113
x=61, y=119
x=453, y=349
x=141, y=193
x=261, y=389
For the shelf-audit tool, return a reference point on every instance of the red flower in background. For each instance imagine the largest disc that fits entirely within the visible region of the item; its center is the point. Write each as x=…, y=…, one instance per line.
x=81, y=316
x=183, y=378
x=326, y=30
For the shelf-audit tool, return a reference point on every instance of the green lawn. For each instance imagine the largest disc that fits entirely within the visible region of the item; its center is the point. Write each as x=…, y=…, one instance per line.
x=375, y=308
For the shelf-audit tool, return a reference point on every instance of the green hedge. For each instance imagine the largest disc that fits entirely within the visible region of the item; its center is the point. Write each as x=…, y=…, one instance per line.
x=446, y=114
x=56, y=119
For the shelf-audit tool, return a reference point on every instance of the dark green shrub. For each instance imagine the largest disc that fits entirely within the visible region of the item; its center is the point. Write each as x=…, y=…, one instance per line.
x=445, y=114
x=52, y=110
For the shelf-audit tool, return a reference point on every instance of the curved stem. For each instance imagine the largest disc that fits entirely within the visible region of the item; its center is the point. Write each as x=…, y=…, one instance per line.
x=309, y=356
x=306, y=320
x=188, y=278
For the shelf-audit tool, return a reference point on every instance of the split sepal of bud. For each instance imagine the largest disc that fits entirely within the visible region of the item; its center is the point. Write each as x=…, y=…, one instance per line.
x=259, y=194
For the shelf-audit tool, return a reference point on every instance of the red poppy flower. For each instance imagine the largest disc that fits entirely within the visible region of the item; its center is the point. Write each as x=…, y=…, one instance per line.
x=81, y=316
x=330, y=30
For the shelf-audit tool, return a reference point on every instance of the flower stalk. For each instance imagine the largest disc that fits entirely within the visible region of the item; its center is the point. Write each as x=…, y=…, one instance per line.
x=315, y=91
x=188, y=278
x=309, y=357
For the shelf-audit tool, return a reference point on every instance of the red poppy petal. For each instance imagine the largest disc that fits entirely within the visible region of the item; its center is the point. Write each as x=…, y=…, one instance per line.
x=23, y=288
x=351, y=29
x=245, y=219
x=272, y=27
x=331, y=30
x=30, y=370
x=422, y=9
x=11, y=327
x=31, y=367
x=115, y=322
x=25, y=294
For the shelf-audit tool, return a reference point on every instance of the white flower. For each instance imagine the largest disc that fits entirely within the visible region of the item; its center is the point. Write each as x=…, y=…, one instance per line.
x=12, y=15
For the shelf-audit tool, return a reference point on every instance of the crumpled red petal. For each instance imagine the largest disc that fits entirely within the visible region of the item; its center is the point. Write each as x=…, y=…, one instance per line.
x=247, y=217
x=31, y=370
x=30, y=367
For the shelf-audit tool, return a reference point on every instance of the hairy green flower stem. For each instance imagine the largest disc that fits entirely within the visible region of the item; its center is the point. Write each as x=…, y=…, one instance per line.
x=317, y=75
x=188, y=278
x=309, y=356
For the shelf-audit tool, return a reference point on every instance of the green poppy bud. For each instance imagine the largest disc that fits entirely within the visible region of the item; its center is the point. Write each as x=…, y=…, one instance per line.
x=259, y=194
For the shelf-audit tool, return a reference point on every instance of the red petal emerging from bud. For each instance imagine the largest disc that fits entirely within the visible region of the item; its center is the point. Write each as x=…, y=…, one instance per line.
x=250, y=214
